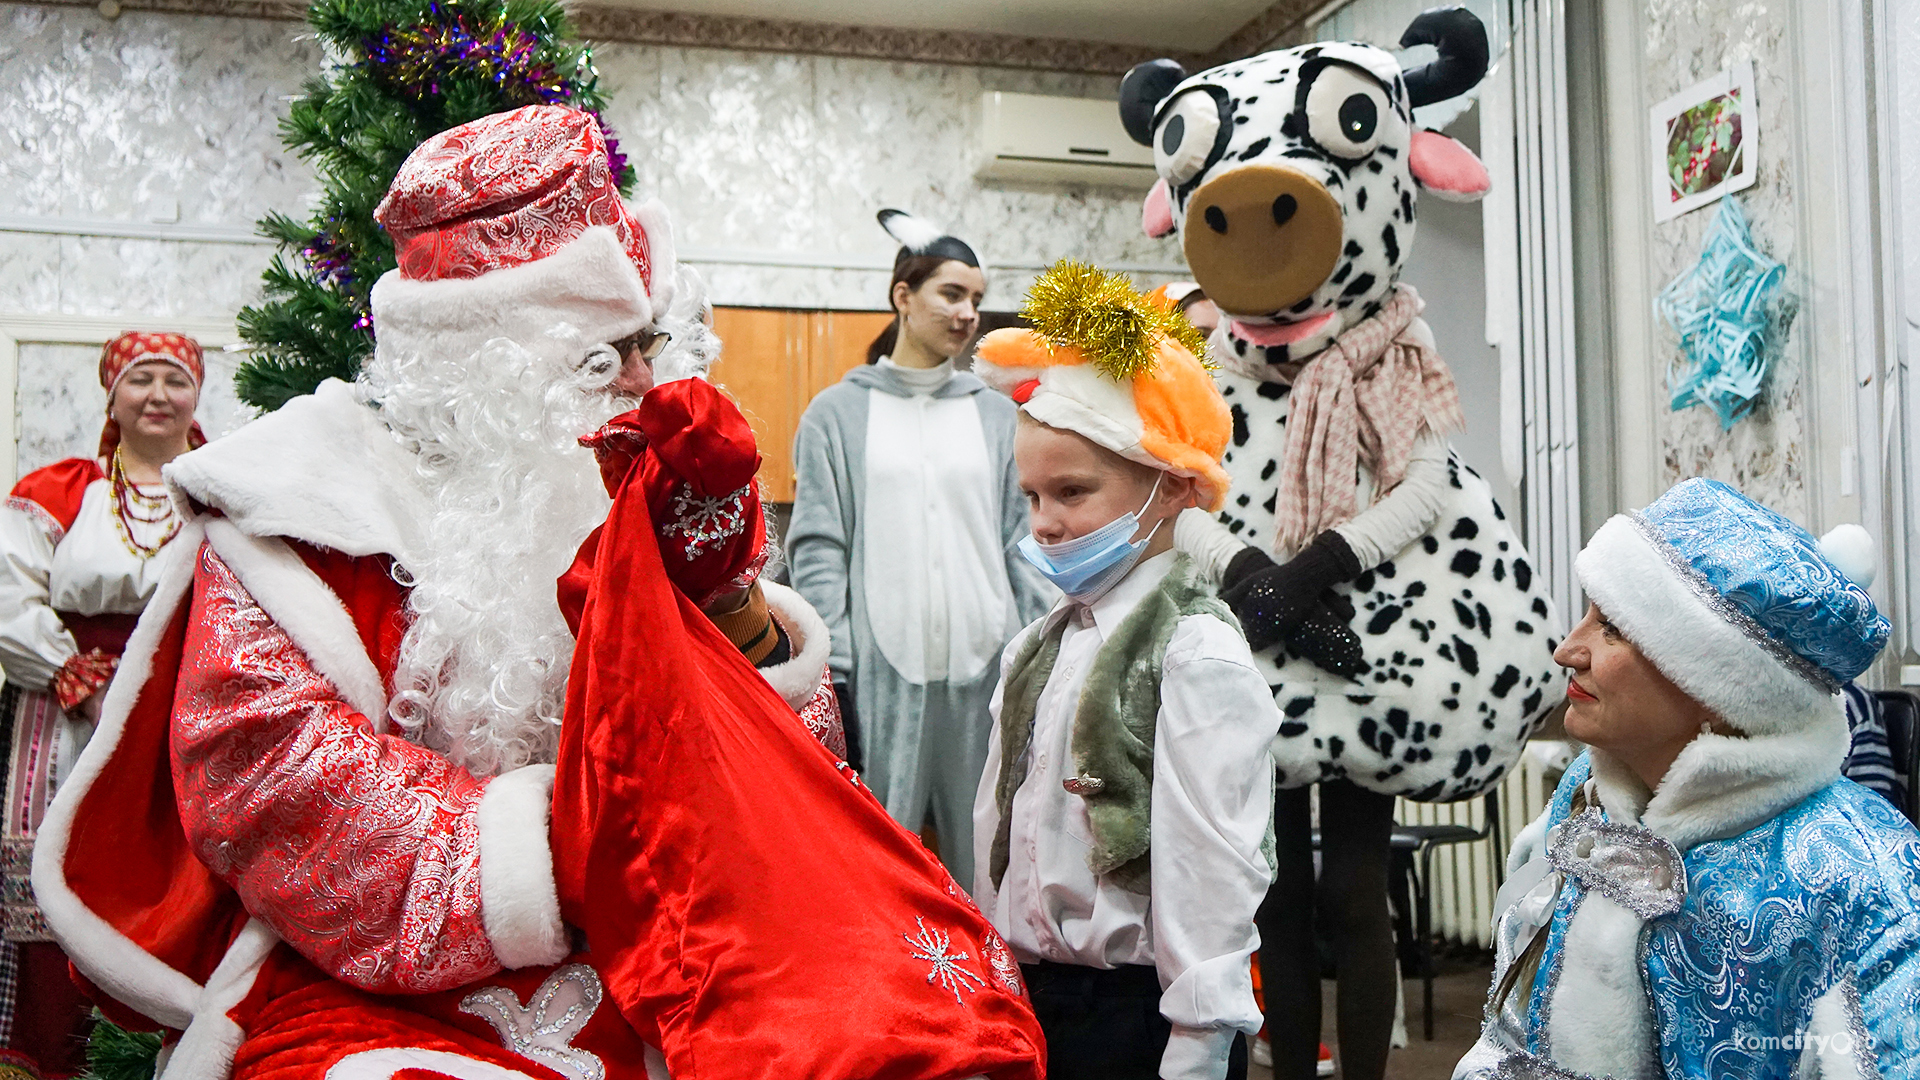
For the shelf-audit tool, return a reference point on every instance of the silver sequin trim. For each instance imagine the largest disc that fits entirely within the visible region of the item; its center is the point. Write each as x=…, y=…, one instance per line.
x=1521, y=1065
x=935, y=946
x=544, y=1028
x=706, y=521
x=1626, y=864
x=1864, y=1058
x=1698, y=585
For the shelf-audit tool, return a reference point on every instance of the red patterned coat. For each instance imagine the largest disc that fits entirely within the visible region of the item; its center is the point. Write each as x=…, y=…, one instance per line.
x=246, y=855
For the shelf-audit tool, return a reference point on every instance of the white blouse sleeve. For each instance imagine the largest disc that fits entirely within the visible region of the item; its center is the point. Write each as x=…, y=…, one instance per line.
x=1212, y=808
x=33, y=641
x=1406, y=513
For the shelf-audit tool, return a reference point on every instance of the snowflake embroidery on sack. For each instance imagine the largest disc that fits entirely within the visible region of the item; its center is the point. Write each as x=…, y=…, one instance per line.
x=935, y=946
x=706, y=520
x=543, y=1030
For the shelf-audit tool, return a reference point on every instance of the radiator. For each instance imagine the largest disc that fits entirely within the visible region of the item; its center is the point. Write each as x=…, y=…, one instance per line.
x=1463, y=874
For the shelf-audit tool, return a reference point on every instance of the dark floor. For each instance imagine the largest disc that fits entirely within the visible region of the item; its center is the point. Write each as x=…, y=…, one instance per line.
x=1459, y=993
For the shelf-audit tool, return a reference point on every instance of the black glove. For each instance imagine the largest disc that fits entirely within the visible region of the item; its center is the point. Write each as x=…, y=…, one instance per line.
x=1273, y=600
x=1326, y=638
x=849, y=723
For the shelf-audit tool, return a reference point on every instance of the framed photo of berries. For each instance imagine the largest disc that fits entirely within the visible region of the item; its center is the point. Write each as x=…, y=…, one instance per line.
x=1704, y=143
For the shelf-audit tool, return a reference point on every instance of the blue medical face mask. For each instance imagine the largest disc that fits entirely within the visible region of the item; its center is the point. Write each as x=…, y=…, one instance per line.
x=1087, y=567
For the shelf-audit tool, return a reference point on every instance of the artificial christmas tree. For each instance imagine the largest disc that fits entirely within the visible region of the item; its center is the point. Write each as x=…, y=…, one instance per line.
x=400, y=71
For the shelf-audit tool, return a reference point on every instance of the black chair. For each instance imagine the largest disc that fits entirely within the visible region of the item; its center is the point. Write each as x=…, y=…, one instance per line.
x=1413, y=848
x=1900, y=711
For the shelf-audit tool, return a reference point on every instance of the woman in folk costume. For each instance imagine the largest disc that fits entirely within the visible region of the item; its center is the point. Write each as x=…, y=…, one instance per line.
x=755, y=909
x=905, y=513
x=1705, y=896
x=1389, y=601
x=311, y=835
x=79, y=537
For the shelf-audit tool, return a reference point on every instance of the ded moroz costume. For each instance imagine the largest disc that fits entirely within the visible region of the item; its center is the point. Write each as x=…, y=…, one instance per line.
x=312, y=832
x=1756, y=915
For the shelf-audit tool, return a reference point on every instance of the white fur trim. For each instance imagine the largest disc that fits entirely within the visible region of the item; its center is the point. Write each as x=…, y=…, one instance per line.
x=1601, y=1023
x=798, y=679
x=590, y=288
x=295, y=597
x=205, y=1051
x=518, y=902
x=108, y=958
x=1831, y=1051
x=1722, y=786
x=657, y=223
x=1704, y=654
x=1852, y=551
x=346, y=484
x=385, y=1062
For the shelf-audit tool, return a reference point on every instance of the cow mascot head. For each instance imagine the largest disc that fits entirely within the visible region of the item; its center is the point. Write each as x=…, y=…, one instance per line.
x=1291, y=176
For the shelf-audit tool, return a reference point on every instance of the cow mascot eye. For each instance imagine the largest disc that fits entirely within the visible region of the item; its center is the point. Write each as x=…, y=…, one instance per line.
x=1347, y=112
x=1184, y=140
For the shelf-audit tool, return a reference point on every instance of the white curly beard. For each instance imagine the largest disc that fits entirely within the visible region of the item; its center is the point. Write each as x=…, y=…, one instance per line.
x=482, y=673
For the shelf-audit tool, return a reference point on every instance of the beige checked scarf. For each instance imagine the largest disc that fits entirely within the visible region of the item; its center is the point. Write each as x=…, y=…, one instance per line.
x=1362, y=401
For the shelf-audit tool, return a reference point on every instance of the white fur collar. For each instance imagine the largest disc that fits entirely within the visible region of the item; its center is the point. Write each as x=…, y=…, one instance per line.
x=798, y=679
x=322, y=469
x=1721, y=786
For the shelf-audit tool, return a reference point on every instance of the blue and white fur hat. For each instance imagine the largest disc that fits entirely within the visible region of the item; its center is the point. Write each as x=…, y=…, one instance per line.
x=1741, y=608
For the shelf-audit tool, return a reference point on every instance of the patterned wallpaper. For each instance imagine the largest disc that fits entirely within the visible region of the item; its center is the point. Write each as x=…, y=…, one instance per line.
x=1765, y=455
x=760, y=156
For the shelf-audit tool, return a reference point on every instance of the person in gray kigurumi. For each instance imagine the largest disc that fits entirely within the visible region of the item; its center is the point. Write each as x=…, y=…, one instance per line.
x=906, y=509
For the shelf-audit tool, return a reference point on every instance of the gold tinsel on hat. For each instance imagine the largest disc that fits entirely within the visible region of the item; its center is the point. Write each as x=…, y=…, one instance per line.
x=1078, y=306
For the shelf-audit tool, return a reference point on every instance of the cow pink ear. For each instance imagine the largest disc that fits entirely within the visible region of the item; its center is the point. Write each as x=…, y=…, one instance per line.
x=1156, y=214
x=1446, y=168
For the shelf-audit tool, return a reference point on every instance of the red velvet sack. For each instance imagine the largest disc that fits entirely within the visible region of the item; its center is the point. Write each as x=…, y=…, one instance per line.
x=752, y=909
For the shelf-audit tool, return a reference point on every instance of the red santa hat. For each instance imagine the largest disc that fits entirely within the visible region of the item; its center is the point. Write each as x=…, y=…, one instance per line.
x=511, y=226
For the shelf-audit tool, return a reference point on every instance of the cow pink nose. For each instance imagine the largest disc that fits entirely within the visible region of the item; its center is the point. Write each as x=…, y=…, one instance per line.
x=1262, y=238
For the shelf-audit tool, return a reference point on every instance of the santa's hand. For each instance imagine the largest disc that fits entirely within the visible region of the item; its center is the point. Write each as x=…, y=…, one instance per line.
x=1273, y=600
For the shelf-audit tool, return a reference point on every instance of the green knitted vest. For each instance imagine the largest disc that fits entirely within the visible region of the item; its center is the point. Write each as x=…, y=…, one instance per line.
x=1113, y=727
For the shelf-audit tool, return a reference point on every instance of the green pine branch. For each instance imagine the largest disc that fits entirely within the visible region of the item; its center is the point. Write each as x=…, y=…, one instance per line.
x=392, y=87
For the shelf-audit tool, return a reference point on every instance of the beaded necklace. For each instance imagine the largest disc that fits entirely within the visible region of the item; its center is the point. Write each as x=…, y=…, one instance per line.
x=130, y=504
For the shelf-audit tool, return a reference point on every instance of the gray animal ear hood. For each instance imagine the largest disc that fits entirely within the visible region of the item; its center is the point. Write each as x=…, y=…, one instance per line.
x=918, y=237
x=1291, y=177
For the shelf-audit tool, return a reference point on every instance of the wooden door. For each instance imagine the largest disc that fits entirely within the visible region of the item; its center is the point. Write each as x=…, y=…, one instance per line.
x=773, y=361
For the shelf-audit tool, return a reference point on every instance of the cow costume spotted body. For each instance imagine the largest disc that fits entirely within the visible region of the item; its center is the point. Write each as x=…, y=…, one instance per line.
x=1292, y=180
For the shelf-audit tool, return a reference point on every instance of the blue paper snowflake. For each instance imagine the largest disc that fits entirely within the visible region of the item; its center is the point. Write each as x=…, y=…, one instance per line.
x=1722, y=310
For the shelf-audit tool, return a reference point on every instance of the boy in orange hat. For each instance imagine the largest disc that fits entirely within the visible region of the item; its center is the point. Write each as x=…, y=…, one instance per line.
x=1121, y=827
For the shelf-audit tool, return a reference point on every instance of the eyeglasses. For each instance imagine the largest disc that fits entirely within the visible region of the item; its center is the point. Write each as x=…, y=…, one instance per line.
x=651, y=344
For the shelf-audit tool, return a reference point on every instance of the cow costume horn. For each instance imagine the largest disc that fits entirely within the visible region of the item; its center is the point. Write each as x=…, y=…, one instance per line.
x=1462, y=41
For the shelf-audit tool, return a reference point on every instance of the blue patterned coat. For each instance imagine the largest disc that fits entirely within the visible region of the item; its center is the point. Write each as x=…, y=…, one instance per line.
x=1789, y=950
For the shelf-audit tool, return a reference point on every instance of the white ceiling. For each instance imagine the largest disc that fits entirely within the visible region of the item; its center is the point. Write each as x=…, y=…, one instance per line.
x=1195, y=25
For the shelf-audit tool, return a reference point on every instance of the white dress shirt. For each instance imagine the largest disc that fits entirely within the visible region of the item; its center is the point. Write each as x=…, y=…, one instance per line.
x=1212, y=809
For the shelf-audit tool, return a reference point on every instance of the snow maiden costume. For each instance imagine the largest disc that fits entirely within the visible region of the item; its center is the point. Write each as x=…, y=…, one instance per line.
x=79, y=542
x=312, y=831
x=1388, y=599
x=1755, y=916
x=905, y=513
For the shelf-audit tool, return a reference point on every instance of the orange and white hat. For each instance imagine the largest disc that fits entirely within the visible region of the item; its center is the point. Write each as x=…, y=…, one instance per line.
x=1109, y=364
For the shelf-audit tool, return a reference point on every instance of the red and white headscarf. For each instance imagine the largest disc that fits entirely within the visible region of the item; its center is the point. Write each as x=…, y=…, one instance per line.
x=117, y=357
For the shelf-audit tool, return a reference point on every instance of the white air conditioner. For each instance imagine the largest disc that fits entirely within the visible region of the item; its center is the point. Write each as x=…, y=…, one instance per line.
x=1039, y=139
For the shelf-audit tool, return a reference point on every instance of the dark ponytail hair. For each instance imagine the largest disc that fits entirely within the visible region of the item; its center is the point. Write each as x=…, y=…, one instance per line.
x=914, y=270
